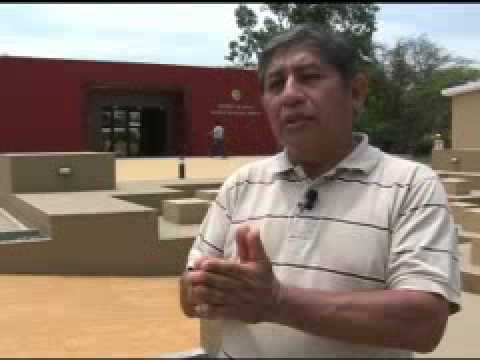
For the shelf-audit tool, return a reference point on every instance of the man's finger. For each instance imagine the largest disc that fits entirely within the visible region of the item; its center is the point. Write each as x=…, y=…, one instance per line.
x=256, y=251
x=198, y=263
x=208, y=295
x=217, y=276
x=225, y=267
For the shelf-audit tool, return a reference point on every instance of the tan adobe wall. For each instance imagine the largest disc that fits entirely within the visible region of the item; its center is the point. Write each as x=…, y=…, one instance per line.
x=466, y=120
x=40, y=172
x=467, y=159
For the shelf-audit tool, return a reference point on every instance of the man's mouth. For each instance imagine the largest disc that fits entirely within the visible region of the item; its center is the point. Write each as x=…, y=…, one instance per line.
x=296, y=120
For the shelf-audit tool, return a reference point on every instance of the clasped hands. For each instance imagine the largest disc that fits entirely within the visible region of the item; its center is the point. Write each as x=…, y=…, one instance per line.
x=243, y=288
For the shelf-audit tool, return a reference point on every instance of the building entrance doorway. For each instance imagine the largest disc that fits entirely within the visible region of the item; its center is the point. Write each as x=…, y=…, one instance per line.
x=153, y=131
x=134, y=131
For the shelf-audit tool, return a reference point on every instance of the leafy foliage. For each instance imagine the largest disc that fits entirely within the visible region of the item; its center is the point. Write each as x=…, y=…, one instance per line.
x=405, y=106
x=357, y=20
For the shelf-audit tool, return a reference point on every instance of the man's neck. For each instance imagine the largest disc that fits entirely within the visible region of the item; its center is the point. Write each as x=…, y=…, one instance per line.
x=316, y=166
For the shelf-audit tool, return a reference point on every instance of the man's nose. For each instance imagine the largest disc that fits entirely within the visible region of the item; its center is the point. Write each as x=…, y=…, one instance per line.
x=292, y=91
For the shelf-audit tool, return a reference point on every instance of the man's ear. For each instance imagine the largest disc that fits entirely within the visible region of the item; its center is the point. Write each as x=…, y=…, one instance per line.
x=359, y=91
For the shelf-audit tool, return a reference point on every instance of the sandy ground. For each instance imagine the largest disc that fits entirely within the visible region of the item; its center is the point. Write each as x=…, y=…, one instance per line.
x=461, y=337
x=167, y=168
x=57, y=316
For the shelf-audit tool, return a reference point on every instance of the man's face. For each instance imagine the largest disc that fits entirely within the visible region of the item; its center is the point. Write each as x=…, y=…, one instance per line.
x=308, y=104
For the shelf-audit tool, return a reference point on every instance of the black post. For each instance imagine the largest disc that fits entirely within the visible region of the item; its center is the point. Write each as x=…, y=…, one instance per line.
x=181, y=168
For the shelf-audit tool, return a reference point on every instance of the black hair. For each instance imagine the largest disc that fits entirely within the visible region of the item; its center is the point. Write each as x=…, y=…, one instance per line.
x=334, y=48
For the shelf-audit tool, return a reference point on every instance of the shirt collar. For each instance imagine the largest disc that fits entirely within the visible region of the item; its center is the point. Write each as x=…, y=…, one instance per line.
x=363, y=158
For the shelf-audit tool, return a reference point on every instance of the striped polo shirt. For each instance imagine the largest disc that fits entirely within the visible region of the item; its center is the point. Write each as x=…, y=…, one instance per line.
x=379, y=222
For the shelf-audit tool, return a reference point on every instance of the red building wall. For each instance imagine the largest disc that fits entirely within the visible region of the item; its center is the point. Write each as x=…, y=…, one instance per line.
x=44, y=103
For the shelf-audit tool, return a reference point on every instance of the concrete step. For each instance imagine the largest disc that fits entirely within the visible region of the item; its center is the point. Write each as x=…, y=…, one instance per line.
x=471, y=220
x=470, y=272
x=28, y=214
x=185, y=211
x=8, y=222
x=473, y=197
x=473, y=177
x=206, y=194
x=175, y=242
x=475, y=250
x=152, y=196
x=458, y=208
x=19, y=234
x=168, y=230
x=456, y=186
x=12, y=229
x=467, y=236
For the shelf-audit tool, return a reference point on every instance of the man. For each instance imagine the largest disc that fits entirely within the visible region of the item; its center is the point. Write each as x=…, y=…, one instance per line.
x=331, y=248
x=218, y=135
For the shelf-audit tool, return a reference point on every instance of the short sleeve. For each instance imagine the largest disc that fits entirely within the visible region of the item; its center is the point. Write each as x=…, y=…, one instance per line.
x=210, y=240
x=424, y=251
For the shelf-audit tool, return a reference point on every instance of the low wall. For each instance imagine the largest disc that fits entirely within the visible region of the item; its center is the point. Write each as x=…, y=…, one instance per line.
x=466, y=160
x=54, y=172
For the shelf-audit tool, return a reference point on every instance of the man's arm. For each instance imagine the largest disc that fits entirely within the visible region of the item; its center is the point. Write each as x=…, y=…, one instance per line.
x=248, y=291
x=406, y=319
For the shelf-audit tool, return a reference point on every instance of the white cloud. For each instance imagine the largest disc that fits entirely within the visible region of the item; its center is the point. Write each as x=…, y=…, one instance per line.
x=167, y=33
x=194, y=34
x=171, y=18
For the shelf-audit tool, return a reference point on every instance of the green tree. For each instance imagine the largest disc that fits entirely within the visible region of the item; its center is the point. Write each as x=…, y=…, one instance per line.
x=405, y=106
x=356, y=20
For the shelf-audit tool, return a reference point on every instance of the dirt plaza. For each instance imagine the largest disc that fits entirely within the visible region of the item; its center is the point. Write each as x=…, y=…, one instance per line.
x=73, y=316
x=92, y=316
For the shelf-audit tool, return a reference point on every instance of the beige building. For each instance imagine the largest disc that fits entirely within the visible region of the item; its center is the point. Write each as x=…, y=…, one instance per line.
x=465, y=115
x=464, y=154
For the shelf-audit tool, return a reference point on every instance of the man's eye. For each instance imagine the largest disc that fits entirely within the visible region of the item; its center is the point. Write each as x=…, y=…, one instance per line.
x=274, y=84
x=311, y=76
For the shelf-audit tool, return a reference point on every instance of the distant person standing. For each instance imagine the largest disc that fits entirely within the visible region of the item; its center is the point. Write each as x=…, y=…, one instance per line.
x=438, y=143
x=218, y=145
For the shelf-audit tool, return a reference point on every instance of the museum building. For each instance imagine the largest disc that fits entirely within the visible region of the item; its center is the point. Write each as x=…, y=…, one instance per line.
x=133, y=109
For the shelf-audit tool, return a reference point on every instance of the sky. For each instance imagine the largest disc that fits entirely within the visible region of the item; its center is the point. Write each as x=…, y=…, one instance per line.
x=197, y=34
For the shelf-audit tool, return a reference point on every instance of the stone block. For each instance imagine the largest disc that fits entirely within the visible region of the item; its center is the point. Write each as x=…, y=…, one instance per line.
x=473, y=177
x=185, y=211
x=475, y=251
x=456, y=186
x=458, y=208
x=471, y=198
x=206, y=194
x=471, y=220
x=467, y=236
x=470, y=271
x=442, y=174
x=150, y=197
x=56, y=172
x=456, y=160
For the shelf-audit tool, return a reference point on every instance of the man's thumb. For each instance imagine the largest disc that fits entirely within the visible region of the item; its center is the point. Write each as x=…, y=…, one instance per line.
x=256, y=251
x=242, y=247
